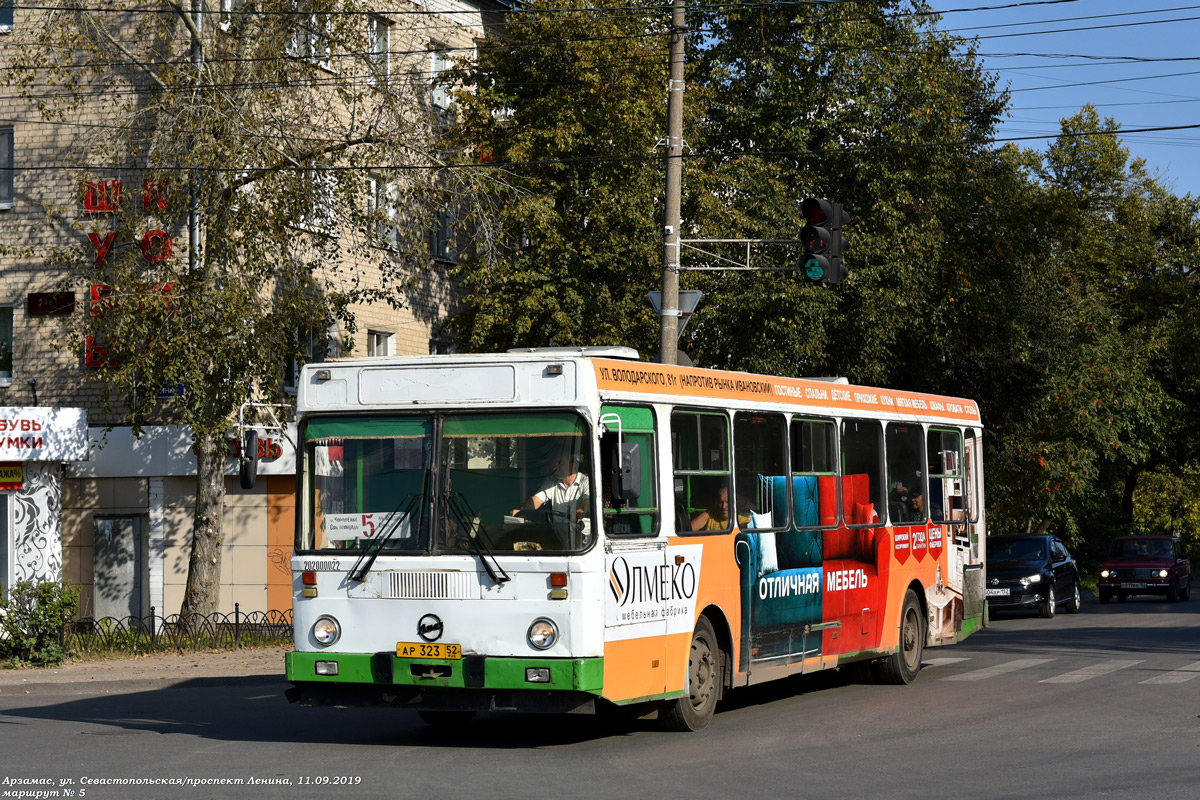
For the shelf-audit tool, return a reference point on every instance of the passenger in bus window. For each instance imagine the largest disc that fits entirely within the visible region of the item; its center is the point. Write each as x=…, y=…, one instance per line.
x=716, y=518
x=908, y=487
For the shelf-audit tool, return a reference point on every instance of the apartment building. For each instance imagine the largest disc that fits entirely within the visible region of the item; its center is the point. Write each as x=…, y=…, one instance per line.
x=81, y=497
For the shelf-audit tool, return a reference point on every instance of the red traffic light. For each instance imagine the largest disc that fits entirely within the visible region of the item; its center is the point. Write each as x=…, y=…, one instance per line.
x=817, y=212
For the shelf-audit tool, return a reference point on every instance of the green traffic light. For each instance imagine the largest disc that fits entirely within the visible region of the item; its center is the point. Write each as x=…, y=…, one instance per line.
x=813, y=268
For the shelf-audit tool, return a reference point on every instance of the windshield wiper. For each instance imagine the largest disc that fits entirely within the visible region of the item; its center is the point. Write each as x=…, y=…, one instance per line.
x=392, y=523
x=470, y=522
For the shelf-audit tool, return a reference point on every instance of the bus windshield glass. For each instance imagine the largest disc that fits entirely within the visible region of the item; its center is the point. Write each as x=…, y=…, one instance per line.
x=452, y=483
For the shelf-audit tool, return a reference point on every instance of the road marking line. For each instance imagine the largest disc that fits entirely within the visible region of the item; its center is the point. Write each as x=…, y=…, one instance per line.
x=1181, y=675
x=1094, y=671
x=941, y=662
x=999, y=669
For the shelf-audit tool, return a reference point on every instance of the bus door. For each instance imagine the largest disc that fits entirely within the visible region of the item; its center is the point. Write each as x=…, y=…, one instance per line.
x=635, y=557
x=778, y=547
x=967, y=537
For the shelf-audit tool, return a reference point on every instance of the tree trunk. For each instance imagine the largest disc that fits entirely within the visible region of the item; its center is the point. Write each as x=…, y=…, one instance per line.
x=1131, y=482
x=204, y=568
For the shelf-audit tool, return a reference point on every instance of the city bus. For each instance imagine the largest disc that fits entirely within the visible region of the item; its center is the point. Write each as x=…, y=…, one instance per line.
x=565, y=530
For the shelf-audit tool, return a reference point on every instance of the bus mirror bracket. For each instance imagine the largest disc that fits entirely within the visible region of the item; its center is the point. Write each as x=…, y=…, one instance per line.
x=626, y=462
x=248, y=463
x=627, y=471
x=262, y=415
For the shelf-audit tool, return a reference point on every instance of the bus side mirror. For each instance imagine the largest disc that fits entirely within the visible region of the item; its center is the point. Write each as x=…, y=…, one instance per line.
x=626, y=471
x=248, y=463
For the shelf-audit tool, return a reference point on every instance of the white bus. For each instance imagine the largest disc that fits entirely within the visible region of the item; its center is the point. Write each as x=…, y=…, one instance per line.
x=552, y=529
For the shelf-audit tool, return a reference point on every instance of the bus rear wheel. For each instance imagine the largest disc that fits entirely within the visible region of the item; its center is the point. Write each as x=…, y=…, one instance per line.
x=902, y=666
x=694, y=711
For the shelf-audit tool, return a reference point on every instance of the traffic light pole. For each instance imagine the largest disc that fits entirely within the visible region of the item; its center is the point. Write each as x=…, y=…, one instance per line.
x=669, y=315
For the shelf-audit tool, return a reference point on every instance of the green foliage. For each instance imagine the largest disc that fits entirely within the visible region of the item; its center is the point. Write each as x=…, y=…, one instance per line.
x=1057, y=289
x=280, y=138
x=574, y=100
x=32, y=617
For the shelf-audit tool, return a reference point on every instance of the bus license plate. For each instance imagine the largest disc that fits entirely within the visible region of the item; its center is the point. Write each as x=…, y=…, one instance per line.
x=428, y=650
x=997, y=592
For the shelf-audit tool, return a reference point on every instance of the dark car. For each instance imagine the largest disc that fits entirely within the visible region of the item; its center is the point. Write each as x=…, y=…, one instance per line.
x=1145, y=565
x=1031, y=572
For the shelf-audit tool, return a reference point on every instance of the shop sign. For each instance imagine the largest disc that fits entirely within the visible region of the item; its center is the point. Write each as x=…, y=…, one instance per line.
x=43, y=434
x=50, y=304
x=11, y=476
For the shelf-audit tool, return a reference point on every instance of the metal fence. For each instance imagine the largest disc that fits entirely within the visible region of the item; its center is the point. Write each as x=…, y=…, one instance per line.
x=156, y=633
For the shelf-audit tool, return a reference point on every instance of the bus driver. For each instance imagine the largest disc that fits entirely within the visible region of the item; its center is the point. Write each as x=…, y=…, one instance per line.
x=567, y=498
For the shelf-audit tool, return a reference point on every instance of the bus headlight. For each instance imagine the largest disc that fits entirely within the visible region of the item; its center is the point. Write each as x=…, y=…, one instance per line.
x=542, y=634
x=326, y=631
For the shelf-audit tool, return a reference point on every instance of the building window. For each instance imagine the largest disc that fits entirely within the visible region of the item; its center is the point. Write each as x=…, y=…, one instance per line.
x=6, y=345
x=6, y=15
x=439, y=63
x=320, y=212
x=379, y=50
x=318, y=345
x=442, y=347
x=6, y=168
x=310, y=41
x=230, y=14
x=383, y=203
x=441, y=244
x=380, y=343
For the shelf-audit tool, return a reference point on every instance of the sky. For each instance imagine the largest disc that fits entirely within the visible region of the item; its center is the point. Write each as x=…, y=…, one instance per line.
x=1137, y=62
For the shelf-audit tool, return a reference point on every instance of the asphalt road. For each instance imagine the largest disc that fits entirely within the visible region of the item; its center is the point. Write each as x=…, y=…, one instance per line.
x=1101, y=704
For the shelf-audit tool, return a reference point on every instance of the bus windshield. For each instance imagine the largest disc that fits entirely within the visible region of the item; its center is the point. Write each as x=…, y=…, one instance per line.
x=513, y=482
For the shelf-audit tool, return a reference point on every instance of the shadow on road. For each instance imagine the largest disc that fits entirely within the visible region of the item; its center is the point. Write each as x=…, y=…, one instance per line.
x=253, y=709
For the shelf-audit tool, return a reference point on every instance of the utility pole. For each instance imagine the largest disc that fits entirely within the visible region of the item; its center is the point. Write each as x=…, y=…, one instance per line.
x=194, y=198
x=669, y=315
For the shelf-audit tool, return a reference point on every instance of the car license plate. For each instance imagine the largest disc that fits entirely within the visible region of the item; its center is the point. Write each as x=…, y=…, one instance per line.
x=428, y=650
x=1134, y=585
x=997, y=592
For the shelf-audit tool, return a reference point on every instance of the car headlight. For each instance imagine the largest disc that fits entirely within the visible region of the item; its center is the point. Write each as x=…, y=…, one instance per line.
x=1104, y=573
x=326, y=631
x=1162, y=573
x=542, y=634
x=1031, y=579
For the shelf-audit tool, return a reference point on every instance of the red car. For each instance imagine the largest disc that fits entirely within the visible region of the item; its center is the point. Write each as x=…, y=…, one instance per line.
x=1145, y=565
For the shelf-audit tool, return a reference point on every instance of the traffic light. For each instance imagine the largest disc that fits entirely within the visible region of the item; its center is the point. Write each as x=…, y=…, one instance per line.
x=823, y=241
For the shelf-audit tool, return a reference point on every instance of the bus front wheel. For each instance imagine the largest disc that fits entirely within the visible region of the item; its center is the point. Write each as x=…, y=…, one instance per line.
x=902, y=666
x=695, y=710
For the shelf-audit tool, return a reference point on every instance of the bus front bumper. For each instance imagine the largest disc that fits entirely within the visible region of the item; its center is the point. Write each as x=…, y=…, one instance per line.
x=480, y=683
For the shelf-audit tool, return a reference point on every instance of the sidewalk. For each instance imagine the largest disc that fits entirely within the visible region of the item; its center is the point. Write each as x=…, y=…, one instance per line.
x=140, y=673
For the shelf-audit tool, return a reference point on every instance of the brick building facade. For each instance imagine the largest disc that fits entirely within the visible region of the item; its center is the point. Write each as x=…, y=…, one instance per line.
x=116, y=519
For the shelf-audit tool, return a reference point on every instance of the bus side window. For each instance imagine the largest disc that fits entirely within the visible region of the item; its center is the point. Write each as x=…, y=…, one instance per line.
x=946, y=476
x=814, y=473
x=638, y=516
x=700, y=455
x=760, y=470
x=908, y=482
x=862, y=473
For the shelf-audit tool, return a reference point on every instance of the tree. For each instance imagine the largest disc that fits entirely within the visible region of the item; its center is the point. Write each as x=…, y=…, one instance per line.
x=1056, y=288
x=297, y=151
x=568, y=108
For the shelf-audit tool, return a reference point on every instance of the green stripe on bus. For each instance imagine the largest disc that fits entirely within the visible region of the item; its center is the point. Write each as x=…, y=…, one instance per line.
x=572, y=674
x=633, y=418
x=524, y=424
x=367, y=428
